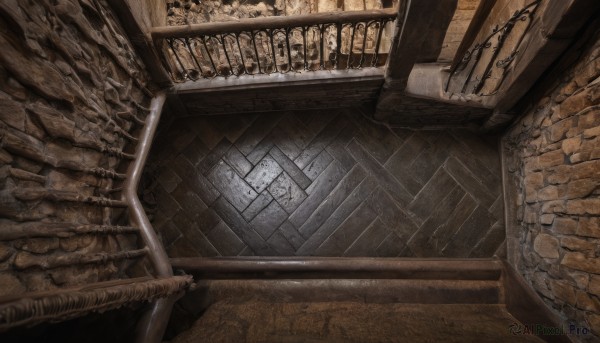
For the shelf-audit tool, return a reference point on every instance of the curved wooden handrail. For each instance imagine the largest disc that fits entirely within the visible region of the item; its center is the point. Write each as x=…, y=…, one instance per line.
x=250, y=24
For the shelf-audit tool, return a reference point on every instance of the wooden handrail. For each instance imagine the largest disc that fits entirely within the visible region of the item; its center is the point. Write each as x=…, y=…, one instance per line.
x=249, y=24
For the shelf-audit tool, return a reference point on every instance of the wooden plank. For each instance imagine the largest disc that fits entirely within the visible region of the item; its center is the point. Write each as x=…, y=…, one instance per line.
x=335, y=198
x=480, y=16
x=441, y=16
x=411, y=39
x=250, y=24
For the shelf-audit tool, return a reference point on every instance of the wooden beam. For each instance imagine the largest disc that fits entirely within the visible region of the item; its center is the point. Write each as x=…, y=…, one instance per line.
x=559, y=24
x=412, y=37
x=441, y=17
x=138, y=34
x=249, y=24
x=480, y=16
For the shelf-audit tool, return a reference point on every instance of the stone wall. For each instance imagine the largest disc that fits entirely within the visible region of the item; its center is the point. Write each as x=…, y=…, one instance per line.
x=72, y=97
x=552, y=170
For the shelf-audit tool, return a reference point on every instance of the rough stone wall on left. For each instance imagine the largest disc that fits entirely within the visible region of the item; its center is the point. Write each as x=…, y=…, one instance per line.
x=73, y=95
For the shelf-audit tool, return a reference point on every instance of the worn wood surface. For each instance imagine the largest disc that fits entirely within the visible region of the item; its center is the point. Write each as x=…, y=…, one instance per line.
x=325, y=183
x=414, y=37
x=270, y=23
x=481, y=14
x=546, y=40
x=296, y=91
x=503, y=72
x=75, y=301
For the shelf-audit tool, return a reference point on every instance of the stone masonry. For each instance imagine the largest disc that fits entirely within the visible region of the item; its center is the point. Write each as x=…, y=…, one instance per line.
x=72, y=95
x=552, y=157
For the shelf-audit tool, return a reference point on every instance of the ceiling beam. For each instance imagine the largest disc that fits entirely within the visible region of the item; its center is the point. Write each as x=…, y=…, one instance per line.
x=421, y=32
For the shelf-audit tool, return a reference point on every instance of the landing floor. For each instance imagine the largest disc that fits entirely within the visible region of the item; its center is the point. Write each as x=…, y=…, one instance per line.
x=322, y=183
x=354, y=322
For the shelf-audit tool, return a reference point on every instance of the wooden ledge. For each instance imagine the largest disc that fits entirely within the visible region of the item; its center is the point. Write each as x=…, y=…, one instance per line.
x=342, y=267
x=62, y=304
x=278, y=80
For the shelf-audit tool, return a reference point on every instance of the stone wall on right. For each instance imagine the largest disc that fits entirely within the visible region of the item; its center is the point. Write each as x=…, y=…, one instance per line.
x=552, y=178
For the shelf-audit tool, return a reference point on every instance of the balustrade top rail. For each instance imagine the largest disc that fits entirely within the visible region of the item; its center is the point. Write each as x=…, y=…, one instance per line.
x=323, y=41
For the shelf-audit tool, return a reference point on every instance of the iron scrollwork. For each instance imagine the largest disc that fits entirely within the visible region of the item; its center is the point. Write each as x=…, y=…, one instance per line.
x=330, y=46
x=473, y=57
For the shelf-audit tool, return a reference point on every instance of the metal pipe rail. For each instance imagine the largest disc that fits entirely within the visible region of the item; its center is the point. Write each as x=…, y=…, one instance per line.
x=153, y=323
x=323, y=41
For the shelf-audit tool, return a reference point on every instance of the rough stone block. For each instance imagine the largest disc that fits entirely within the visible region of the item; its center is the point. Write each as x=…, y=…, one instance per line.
x=593, y=321
x=551, y=159
x=578, y=244
x=532, y=164
x=547, y=219
x=575, y=103
x=546, y=246
x=583, y=206
x=594, y=285
x=535, y=180
x=591, y=133
x=571, y=145
x=589, y=227
x=581, y=188
x=578, y=261
x=587, y=302
x=10, y=285
x=5, y=252
x=539, y=281
x=558, y=175
x=591, y=144
x=565, y=226
x=555, y=206
x=563, y=291
x=579, y=157
x=548, y=193
x=580, y=279
x=589, y=169
x=589, y=118
x=559, y=130
x=531, y=193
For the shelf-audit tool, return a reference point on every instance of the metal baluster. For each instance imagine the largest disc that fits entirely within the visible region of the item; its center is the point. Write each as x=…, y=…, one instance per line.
x=256, y=52
x=304, y=34
x=364, y=45
x=349, y=66
x=237, y=39
x=273, y=51
x=378, y=44
x=338, y=42
x=209, y=56
x=170, y=41
x=189, y=46
x=287, y=43
x=321, y=47
x=226, y=55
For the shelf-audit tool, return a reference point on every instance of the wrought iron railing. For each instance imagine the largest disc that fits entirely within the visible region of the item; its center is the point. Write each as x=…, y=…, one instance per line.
x=324, y=41
x=485, y=66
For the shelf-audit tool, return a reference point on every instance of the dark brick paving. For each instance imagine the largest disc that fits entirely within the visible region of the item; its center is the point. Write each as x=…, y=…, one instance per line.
x=327, y=183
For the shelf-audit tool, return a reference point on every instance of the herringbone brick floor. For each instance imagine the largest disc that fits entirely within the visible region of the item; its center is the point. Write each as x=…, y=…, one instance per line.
x=325, y=183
